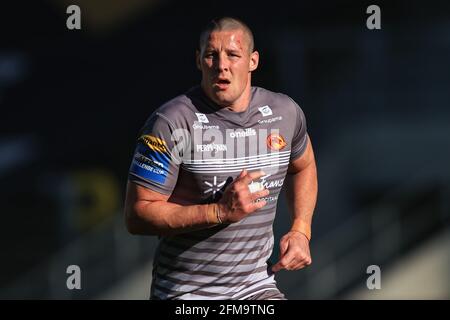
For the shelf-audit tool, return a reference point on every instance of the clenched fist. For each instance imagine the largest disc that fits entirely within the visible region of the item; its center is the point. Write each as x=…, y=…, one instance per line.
x=238, y=201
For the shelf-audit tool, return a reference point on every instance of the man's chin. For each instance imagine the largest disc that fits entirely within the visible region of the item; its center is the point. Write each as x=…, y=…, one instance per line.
x=222, y=99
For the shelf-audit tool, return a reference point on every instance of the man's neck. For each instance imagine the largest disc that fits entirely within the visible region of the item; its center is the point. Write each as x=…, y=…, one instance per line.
x=241, y=104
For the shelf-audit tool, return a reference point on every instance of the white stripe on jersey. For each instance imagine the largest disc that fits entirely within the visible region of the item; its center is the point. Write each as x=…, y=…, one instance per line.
x=257, y=162
x=236, y=160
x=197, y=169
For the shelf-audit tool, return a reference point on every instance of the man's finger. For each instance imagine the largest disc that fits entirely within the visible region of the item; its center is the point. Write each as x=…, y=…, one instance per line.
x=299, y=262
x=299, y=266
x=284, y=245
x=259, y=194
x=282, y=264
x=293, y=265
x=257, y=205
x=242, y=174
x=252, y=176
x=277, y=267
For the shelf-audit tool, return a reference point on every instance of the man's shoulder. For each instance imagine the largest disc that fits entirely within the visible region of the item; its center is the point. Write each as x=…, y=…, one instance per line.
x=276, y=99
x=176, y=106
x=176, y=110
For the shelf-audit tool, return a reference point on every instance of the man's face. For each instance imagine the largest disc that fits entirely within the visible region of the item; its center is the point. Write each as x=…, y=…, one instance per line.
x=226, y=63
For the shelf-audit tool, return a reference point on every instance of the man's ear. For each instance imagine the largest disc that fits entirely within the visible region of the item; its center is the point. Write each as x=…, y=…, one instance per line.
x=197, y=60
x=254, y=60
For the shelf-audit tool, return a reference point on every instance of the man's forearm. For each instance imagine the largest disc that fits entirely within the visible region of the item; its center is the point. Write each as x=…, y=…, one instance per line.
x=164, y=218
x=301, y=195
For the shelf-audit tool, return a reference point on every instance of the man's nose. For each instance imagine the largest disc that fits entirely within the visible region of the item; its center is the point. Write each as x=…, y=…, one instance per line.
x=222, y=63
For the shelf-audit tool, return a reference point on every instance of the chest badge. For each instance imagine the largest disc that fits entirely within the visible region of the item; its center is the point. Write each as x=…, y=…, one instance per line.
x=276, y=141
x=265, y=111
x=202, y=117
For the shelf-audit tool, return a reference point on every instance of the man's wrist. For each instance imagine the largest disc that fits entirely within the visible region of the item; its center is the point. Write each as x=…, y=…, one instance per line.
x=302, y=233
x=302, y=228
x=213, y=214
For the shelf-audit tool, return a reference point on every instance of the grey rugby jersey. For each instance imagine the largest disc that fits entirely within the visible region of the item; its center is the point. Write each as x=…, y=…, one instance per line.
x=191, y=149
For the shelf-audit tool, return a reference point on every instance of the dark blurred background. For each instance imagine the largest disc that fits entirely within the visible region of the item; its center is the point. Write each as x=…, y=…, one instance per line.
x=377, y=105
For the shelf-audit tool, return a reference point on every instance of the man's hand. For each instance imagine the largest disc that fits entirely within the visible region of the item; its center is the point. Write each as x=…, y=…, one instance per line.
x=237, y=201
x=294, y=252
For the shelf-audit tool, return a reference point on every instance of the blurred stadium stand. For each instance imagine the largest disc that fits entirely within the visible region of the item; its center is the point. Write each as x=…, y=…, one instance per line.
x=377, y=107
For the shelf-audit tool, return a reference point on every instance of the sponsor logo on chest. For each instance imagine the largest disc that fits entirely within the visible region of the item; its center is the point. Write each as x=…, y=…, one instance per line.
x=202, y=117
x=198, y=125
x=265, y=111
x=243, y=133
x=271, y=120
x=211, y=147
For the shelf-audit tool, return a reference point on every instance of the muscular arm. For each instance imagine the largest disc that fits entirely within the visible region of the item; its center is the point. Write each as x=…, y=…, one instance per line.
x=301, y=192
x=149, y=213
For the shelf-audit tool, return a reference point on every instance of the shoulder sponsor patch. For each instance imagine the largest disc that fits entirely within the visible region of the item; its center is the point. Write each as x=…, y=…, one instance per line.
x=151, y=159
x=153, y=142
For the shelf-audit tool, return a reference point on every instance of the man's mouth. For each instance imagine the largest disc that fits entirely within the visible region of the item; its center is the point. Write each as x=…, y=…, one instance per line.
x=222, y=84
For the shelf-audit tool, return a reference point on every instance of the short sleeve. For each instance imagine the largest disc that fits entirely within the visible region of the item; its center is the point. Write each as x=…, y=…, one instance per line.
x=300, y=135
x=155, y=164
